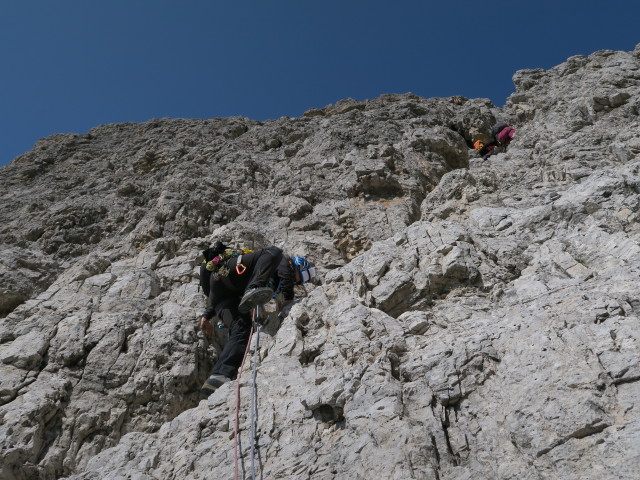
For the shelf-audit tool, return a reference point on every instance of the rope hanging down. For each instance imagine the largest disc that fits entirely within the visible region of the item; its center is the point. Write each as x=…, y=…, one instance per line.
x=254, y=407
x=255, y=315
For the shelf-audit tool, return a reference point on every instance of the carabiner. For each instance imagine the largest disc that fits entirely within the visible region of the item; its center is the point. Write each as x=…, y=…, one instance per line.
x=244, y=269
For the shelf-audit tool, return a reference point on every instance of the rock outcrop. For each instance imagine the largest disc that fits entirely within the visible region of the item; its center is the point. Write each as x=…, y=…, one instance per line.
x=474, y=319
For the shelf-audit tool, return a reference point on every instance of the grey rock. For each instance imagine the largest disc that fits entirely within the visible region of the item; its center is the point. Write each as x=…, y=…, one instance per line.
x=473, y=319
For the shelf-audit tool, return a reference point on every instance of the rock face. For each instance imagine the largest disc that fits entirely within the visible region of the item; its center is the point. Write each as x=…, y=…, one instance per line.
x=474, y=319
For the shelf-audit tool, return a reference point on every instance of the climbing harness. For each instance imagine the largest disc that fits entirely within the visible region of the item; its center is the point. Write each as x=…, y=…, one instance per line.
x=253, y=407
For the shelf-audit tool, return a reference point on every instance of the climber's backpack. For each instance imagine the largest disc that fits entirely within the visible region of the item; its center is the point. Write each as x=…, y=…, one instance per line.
x=497, y=128
x=303, y=269
x=216, y=263
x=205, y=279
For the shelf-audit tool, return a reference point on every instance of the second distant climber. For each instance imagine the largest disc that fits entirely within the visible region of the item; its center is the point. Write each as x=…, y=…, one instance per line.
x=502, y=135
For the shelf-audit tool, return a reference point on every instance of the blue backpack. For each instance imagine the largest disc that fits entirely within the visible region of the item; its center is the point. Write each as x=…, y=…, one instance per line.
x=303, y=269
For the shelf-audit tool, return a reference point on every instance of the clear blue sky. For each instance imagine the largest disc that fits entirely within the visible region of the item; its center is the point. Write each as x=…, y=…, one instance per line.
x=70, y=65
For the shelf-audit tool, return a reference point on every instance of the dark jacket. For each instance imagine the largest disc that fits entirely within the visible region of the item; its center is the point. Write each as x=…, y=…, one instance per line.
x=261, y=266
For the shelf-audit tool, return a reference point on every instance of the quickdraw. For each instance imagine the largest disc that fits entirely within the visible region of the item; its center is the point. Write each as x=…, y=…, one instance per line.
x=240, y=268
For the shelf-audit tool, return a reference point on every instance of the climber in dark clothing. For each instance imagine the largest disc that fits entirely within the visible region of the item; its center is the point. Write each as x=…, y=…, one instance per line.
x=236, y=285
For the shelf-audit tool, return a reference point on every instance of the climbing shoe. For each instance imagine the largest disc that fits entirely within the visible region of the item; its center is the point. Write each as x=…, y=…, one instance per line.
x=214, y=382
x=253, y=297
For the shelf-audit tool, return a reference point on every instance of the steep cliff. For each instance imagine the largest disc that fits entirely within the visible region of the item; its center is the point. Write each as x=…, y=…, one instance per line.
x=474, y=319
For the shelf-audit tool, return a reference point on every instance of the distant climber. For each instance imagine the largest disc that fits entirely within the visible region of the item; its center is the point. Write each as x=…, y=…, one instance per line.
x=502, y=135
x=459, y=100
x=235, y=281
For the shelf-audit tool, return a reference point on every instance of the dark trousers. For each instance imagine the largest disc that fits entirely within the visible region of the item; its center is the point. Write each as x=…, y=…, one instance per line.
x=239, y=331
x=265, y=267
x=240, y=324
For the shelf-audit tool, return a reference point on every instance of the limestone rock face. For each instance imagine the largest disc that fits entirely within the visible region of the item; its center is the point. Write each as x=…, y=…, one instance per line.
x=473, y=319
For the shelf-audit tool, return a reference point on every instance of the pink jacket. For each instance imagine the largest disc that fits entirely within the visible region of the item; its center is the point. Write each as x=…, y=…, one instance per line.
x=505, y=135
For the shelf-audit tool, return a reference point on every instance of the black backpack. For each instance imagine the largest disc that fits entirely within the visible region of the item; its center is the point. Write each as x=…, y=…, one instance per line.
x=215, y=262
x=205, y=275
x=205, y=279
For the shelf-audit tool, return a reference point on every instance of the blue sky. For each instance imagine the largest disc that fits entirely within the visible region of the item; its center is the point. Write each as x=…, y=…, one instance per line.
x=70, y=65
